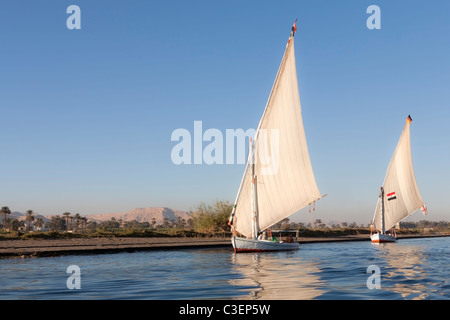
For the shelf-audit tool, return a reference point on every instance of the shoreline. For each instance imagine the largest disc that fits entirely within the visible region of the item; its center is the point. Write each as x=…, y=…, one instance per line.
x=10, y=249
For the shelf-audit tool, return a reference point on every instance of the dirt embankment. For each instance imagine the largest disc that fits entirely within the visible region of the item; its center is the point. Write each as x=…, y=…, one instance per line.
x=48, y=247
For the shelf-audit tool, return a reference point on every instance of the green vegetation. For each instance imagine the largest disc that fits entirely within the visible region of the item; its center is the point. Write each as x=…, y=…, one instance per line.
x=206, y=221
x=212, y=219
x=426, y=226
x=98, y=233
x=5, y=211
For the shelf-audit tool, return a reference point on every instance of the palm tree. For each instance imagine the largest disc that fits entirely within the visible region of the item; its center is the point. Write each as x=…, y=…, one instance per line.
x=29, y=218
x=5, y=211
x=39, y=223
x=67, y=214
x=83, y=222
x=77, y=220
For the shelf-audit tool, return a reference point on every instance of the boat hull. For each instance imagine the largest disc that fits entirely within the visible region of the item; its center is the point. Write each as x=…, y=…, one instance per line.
x=252, y=245
x=382, y=237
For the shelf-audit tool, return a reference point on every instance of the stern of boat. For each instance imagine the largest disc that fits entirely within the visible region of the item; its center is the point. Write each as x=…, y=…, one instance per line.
x=253, y=245
x=382, y=238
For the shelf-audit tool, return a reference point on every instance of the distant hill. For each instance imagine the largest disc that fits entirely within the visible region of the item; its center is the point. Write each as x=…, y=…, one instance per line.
x=22, y=216
x=142, y=215
x=13, y=215
x=138, y=214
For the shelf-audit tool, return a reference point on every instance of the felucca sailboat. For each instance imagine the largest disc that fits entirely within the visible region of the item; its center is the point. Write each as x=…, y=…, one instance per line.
x=266, y=197
x=399, y=195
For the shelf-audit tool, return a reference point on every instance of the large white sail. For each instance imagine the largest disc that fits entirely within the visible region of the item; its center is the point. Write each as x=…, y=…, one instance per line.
x=285, y=181
x=401, y=194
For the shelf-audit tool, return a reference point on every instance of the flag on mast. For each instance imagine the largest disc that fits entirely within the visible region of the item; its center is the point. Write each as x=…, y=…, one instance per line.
x=294, y=28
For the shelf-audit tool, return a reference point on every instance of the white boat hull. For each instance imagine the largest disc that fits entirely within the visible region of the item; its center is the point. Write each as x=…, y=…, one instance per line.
x=252, y=245
x=382, y=237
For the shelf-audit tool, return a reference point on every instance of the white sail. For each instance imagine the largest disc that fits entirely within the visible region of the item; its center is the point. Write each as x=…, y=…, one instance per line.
x=401, y=194
x=285, y=181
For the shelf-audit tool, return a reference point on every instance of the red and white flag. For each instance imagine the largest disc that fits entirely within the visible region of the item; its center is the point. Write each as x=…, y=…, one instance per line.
x=391, y=196
x=293, y=30
x=424, y=210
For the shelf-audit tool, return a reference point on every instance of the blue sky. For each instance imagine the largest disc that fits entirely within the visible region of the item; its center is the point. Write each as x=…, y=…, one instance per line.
x=87, y=115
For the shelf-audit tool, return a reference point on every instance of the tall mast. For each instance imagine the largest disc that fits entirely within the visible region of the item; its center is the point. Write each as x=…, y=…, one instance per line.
x=254, y=193
x=382, y=210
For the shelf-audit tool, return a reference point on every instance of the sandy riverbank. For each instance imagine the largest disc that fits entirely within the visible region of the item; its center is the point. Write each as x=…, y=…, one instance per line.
x=48, y=248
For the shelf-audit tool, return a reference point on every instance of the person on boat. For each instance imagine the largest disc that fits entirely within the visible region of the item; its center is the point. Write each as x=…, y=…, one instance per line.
x=392, y=233
x=262, y=235
x=267, y=235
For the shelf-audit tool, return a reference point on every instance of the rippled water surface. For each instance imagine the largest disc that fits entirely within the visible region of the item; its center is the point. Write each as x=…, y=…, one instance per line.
x=409, y=269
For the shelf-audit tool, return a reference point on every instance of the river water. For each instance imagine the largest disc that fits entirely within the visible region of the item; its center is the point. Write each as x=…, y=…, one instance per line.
x=410, y=269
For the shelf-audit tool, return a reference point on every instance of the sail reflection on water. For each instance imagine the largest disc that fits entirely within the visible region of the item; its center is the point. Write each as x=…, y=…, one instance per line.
x=275, y=278
x=405, y=272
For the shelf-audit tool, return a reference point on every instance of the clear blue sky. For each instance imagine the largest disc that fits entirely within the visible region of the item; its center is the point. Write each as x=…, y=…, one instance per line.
x=87, y=115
